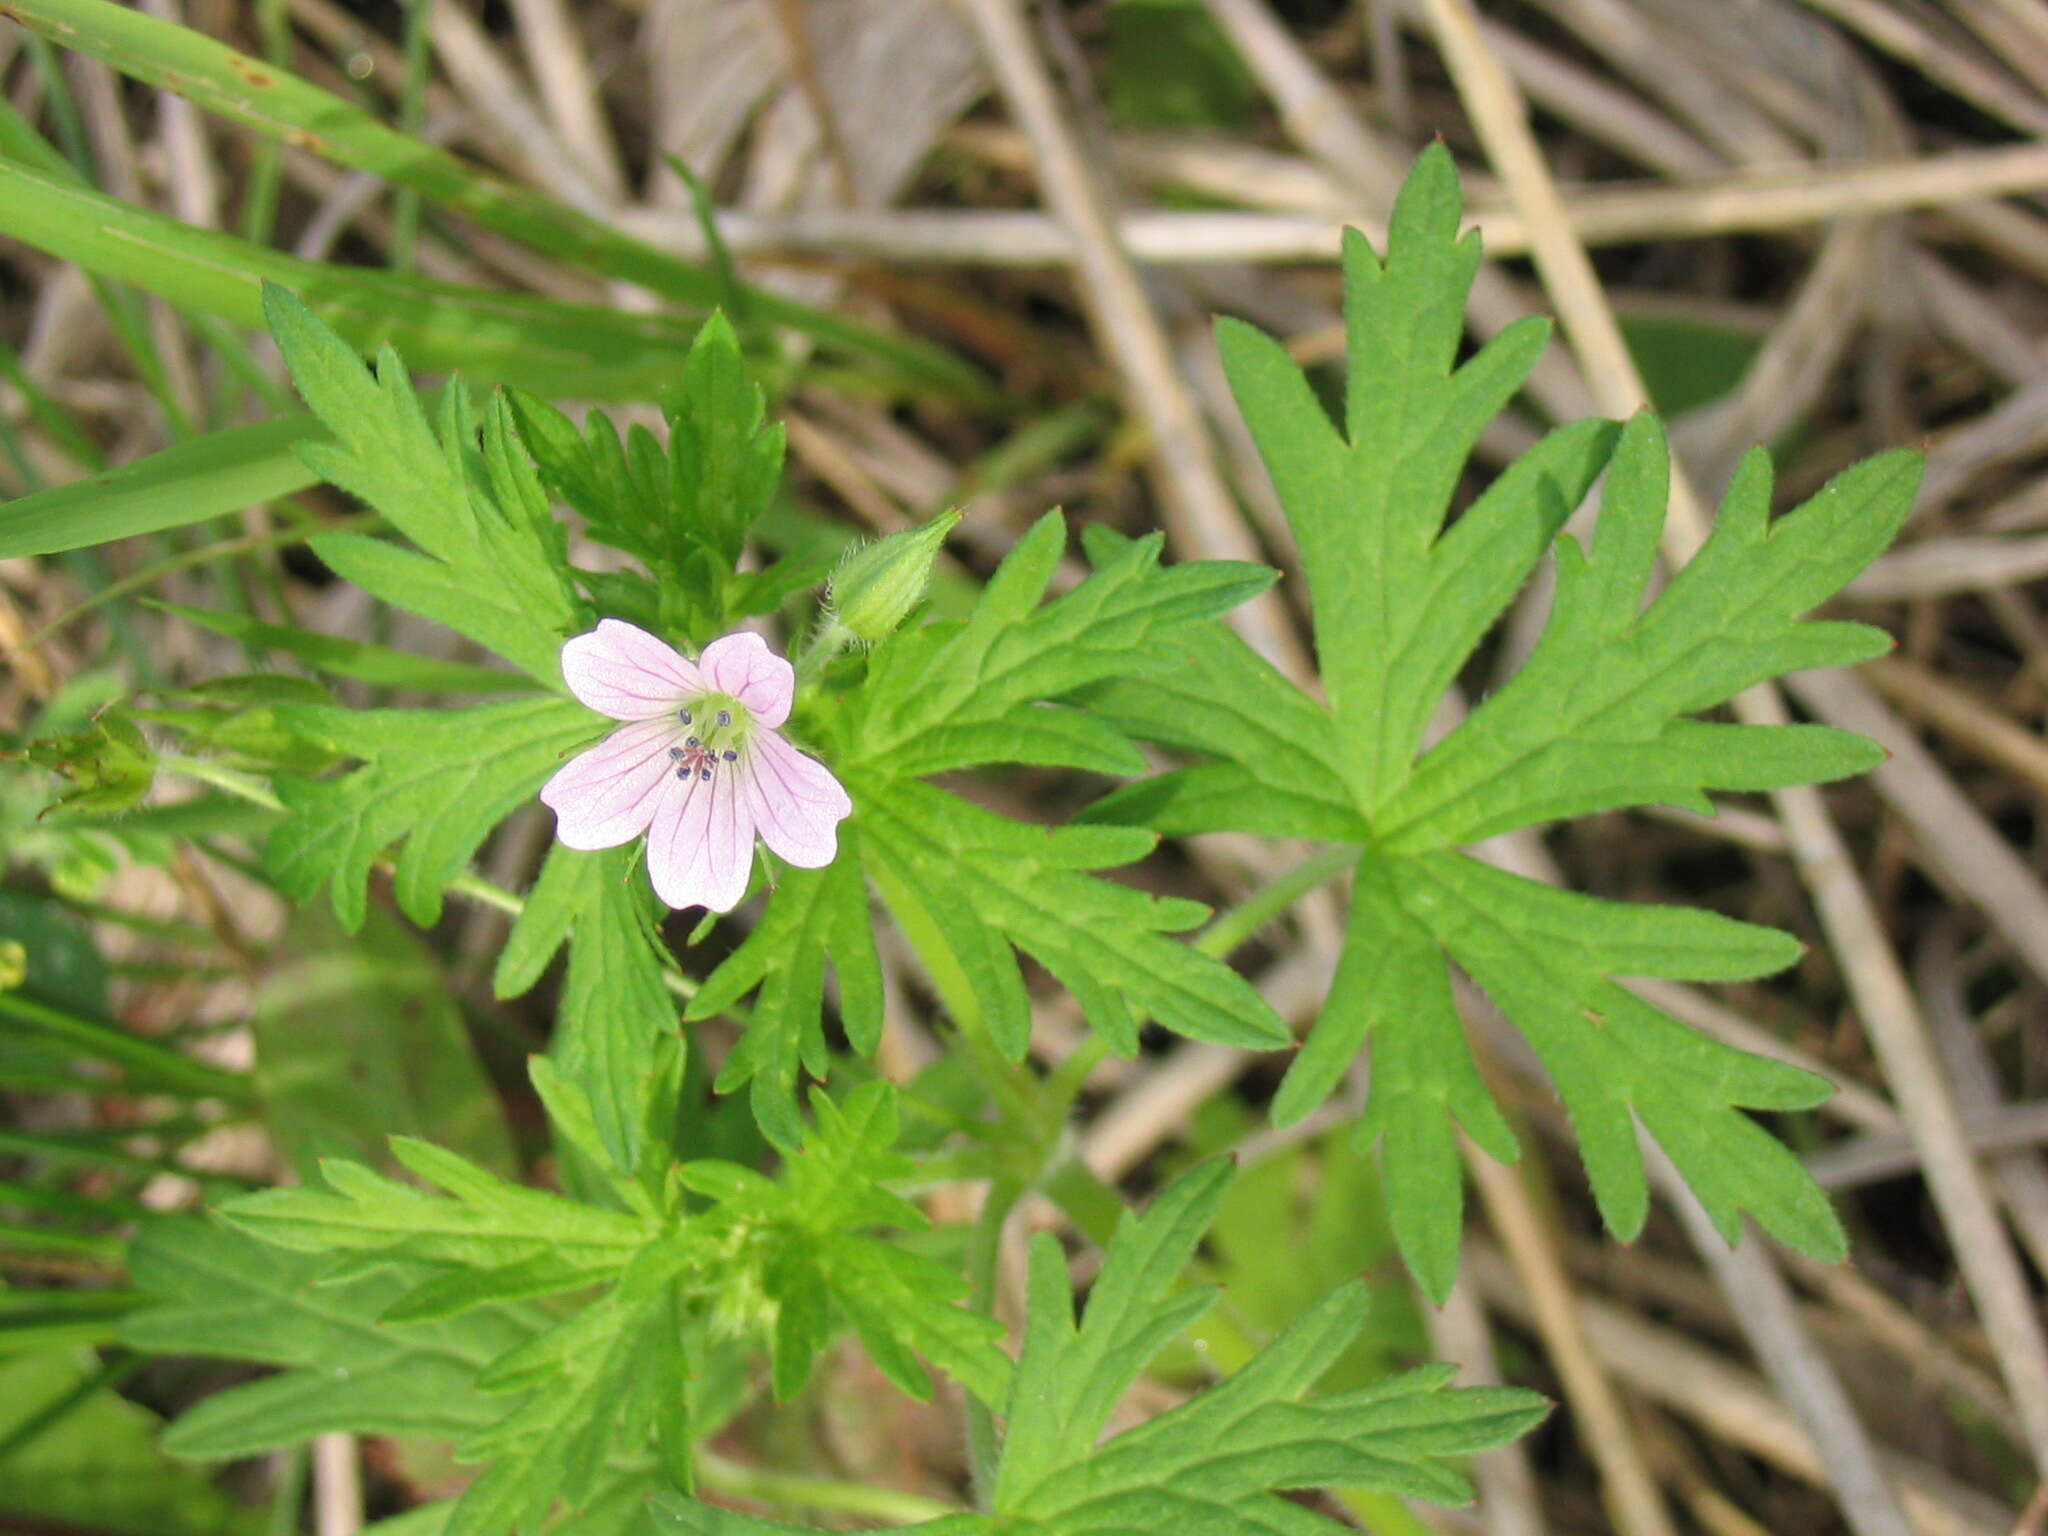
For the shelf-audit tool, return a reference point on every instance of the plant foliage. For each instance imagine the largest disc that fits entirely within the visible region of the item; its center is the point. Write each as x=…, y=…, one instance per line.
x=1220, y=1461
x=1602, y=715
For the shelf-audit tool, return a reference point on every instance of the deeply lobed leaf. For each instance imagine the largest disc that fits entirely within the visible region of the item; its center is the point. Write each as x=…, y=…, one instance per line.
x=1601, y=716
x=439, y=779
x=489, y=559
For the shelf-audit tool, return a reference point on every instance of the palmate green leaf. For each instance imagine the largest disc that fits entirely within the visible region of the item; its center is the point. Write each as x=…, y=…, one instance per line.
x=616, y=1014
x=988, y=884
x=1602, y=715
x=441, y=779
x=1398, y=601
x=363, y=1358
x=609, y=1374
x=961, y=695
x=587, y=1388
x=613, y=1373
x=490, y=561
x=1219, y=1462
x=483, y=1223
x=1595, y=718
x=216, y=1292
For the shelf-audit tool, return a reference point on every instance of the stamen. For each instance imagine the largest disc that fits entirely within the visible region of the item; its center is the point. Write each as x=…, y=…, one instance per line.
x=725, y=717
x=704, y=773
x=675, y=754
x=693, y=741
x=731, y=756
x=685, y=714
x=683, y=772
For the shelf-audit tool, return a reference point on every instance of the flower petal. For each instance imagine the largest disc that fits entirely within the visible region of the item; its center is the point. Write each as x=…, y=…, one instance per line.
x=621, y=670
x=607, y=795
x=795, y=803
x=742, y=665
x=700, y=849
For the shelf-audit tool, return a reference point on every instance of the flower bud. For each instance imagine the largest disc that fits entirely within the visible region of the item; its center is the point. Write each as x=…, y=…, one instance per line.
x=875, y=587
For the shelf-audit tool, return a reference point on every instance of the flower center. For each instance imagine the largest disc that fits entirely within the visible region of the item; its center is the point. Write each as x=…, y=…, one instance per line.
x=717, y=726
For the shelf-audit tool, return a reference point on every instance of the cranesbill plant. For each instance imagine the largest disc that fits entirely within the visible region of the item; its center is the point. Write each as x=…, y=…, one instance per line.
x=580, y=1345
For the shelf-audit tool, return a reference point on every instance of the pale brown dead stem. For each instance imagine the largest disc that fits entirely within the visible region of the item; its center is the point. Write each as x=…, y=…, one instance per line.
x=1627, y=1484
x=554, y=52
x=1972, y=724
x=1508, y=1500
x=1742, y=202
x=1732, y=1404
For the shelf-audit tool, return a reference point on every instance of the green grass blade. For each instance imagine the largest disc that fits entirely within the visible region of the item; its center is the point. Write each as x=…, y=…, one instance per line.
x=147, y=1065
x=277, y=103
x=188, y=483
x=574, y=349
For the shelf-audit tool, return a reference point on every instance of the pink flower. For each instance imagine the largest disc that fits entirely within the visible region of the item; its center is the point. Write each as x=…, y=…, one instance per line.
x=697, y=765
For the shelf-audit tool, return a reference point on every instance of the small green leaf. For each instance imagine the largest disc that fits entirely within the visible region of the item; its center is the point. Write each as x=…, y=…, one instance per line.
x=490, y=560
x=441, y=779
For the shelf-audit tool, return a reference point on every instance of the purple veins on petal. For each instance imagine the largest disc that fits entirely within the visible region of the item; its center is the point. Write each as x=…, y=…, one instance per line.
x=795, y=803
x=700, y=848
x=607, y=795
x=623, y=671
x=742, y=665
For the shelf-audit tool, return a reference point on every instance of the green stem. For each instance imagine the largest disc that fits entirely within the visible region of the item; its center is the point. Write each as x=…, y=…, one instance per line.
x=827, y=641
x=984, y=1248
x=1233, y=927
x=119, y=1367
x=412, y=112
x=275, y=539
x=244, y=786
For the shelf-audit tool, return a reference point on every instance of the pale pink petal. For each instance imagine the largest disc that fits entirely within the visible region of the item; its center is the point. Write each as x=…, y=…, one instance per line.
x=607, y=795
x=700, y=849
x=795, y=802
x=623, y=671
x=742, y=665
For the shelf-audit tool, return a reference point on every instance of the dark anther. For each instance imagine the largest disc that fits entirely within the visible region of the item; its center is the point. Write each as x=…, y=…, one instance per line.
x=731, y=756
x=693, y=741
x=725, y=717
x=686, y=716
x=675, y=754
x=683, y=773
x=704, y=773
